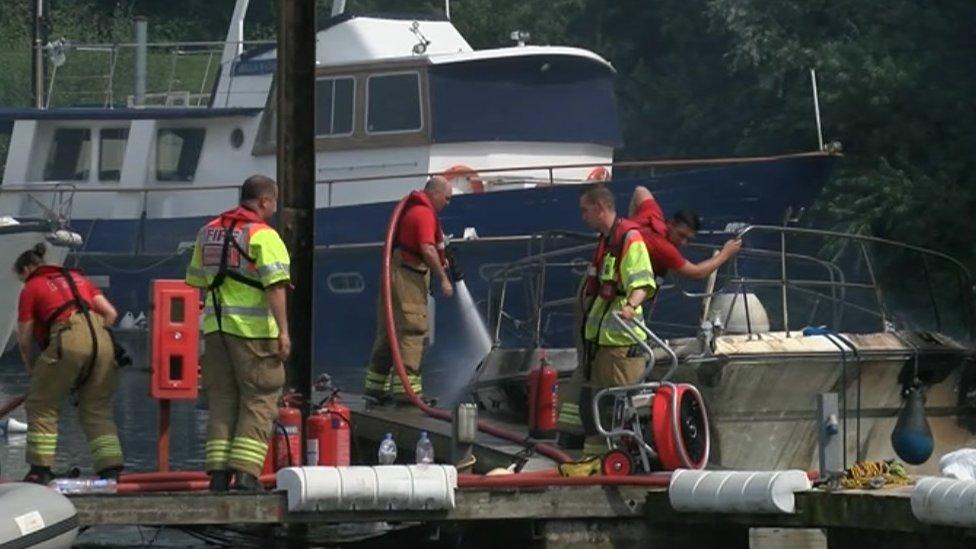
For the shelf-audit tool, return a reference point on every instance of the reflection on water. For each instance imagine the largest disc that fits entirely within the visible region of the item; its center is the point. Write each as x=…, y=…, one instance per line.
x=136, y=415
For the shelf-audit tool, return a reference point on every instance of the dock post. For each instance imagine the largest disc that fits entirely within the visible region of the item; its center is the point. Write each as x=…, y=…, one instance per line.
x=464, y=428
x=829, y=443
x=296, y=176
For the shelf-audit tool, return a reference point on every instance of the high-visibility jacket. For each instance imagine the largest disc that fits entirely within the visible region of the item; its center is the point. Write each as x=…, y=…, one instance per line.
x=623, y=266
x=236, y=269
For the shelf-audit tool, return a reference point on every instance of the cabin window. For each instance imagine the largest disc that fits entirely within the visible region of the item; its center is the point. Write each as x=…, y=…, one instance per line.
x=394, y=103
x=111, y=153
x=333, y=106
x=178, y=152
x=69, y=158
x=345, y=283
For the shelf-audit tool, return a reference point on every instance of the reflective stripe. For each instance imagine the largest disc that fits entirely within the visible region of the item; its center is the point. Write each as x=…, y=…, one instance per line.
x=235, y=310
x=640, y=275
x=196, y=271
x=274, y=268
x=249, y=450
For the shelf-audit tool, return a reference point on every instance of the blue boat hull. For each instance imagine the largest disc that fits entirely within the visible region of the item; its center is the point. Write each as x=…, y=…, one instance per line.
x=133, y=252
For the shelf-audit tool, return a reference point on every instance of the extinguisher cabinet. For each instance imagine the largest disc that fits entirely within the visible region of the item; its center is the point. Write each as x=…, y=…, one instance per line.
x=174, y=340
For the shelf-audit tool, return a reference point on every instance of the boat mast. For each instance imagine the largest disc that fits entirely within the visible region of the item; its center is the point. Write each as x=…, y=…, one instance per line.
x=234, y=45
x=38, y=63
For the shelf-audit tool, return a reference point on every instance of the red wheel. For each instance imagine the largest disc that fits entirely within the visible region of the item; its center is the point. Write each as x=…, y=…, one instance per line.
x=680, y=433
x=617, y=463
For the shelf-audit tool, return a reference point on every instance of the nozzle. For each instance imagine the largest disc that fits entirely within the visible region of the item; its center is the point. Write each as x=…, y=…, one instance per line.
x=453, y=269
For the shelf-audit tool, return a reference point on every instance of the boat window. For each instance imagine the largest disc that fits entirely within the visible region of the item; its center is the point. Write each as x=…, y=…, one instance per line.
x=69, y=158
x=333, y=106
x=345, y=283
x=394, y=103
x=111, y=153
x=177, y=153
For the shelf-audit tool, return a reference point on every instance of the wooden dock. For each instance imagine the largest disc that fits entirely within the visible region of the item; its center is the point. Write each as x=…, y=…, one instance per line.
x=562, y=517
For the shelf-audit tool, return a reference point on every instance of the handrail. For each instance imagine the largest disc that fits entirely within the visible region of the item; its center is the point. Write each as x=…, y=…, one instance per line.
x=686, y=163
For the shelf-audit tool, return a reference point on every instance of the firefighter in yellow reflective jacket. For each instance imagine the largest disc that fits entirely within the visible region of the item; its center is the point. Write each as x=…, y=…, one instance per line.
x=243, y=266
x=624, y=279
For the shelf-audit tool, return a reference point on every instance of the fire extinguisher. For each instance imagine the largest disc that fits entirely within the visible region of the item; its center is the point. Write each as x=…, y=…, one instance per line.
x=328, y=430
x=285, y=449
x=543, y=399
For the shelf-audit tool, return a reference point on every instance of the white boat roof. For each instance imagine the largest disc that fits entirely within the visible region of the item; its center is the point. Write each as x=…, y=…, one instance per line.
x=357, y=39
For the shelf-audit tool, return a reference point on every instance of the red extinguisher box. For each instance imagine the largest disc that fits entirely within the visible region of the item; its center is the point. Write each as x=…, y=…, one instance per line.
x=175, y=340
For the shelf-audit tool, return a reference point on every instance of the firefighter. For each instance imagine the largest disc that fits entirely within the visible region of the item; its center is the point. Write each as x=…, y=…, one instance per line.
x=243, y=267
x=67, y=316
x=418, y=252
x=622, y=280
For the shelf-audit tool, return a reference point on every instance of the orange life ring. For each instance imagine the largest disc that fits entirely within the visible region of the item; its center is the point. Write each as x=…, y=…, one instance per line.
x=461, y=171
x=599, y=173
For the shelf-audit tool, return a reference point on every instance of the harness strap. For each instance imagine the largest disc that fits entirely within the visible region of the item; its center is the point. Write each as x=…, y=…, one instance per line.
x=86, y=310
x=223, y=273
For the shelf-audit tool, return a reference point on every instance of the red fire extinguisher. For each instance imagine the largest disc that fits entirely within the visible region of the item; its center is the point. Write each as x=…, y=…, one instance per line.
x=285, y=449
x=328, y=431
x=543, y=399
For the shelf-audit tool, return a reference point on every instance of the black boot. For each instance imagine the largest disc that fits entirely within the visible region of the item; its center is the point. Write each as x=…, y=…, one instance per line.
x=110, y=473
x=219, y=481
x=39, y=475
x=246, y=482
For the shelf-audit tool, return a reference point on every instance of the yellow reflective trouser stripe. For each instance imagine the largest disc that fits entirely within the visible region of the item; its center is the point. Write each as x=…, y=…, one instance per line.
x=217, y=451
x=377, y=381
x=105, y=446
x=569, y=414
x=249, y=450
x=414, y=380
x=42, y=444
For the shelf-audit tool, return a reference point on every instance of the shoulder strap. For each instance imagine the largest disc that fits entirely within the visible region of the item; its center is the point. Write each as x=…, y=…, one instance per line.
x=86, y=310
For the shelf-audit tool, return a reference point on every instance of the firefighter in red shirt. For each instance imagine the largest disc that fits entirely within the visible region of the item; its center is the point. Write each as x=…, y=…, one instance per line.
x=67, y=316
x=419, y=252
x=664, y=237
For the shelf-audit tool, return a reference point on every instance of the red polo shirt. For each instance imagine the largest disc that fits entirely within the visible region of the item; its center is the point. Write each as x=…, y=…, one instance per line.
x=44, y=292
x=664, y=255
x=418, y=225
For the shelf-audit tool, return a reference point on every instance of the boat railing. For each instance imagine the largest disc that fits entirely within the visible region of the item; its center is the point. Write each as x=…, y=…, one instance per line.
x=180, y=74
x=848, y=282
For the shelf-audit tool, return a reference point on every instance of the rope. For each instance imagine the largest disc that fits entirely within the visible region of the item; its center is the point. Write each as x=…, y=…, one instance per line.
x=875, y=474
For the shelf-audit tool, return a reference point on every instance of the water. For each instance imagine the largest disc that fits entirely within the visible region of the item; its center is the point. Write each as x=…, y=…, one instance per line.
x=476, y=344
x=425, y=450
x=387, y=453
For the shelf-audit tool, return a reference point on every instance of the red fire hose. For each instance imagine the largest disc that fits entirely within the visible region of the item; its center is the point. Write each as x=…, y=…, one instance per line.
x=437, y=413
x=11, y=405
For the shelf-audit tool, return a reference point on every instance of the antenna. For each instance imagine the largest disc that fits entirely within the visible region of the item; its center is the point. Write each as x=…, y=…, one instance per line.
x=447, y=8
x=338, y=7
x=816, y=108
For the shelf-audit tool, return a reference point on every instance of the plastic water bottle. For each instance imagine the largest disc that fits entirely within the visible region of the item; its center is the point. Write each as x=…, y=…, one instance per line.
x=425, y=450
x=84, y=485
x=388, y=451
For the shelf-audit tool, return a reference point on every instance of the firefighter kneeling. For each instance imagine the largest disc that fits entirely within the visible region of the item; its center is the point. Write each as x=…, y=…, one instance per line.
x=67, y=316
x=623, y=280
x=243, y=265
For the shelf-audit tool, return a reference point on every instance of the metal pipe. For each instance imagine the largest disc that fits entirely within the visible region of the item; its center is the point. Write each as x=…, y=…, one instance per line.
x=783, y=279
x=142, y=56
x=816, y=108
x=38, y=63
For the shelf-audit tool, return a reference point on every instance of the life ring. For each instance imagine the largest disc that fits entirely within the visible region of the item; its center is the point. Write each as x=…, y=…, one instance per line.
x=599, y=173
x=474, y=184
x=681, y=436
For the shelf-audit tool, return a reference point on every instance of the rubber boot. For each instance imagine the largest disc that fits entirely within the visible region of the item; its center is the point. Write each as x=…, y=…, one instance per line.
x=110, y=473
x=245, y=482
x=39, y=475
x=219, y=481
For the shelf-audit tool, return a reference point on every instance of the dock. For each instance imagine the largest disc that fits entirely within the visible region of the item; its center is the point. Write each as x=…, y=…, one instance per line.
x=562, y=517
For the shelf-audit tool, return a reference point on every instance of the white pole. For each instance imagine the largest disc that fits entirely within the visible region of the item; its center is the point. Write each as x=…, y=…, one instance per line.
x=447, y=8
x=338, y=7
x=816, y=108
